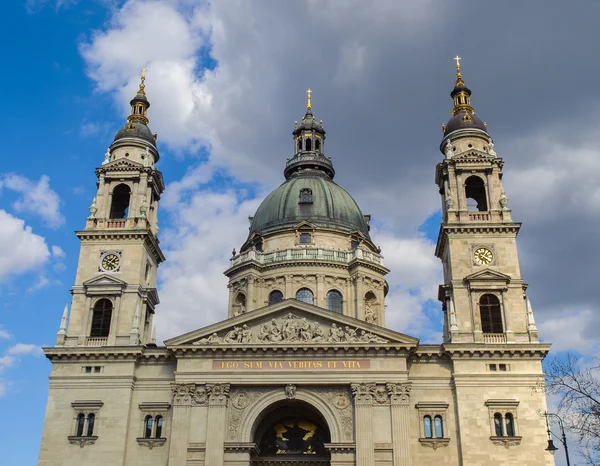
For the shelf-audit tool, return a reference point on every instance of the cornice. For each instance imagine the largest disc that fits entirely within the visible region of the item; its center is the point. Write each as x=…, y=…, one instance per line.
x=106, y=353
x=125, y=235
x=505, y=350
x=467, y=229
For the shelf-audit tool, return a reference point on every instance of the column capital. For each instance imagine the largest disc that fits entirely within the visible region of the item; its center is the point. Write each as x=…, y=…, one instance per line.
x=399, y=393
x=218, y=393
x=188, y=394
x=368, y=393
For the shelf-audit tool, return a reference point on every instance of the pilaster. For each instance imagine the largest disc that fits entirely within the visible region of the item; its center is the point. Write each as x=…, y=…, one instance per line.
x=363, y=408
x=218, y=395
x=184, y=397
x=399, y=405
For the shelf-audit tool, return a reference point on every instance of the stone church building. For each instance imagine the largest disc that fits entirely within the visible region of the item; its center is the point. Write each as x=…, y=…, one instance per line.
x=303, y=371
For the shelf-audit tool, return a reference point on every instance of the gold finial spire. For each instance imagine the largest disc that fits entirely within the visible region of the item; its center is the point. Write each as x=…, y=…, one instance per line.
x=308, y=104
x=142, y=84
x=457, y=58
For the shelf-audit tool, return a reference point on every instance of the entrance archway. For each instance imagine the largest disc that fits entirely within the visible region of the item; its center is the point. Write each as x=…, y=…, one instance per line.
x=291, y=434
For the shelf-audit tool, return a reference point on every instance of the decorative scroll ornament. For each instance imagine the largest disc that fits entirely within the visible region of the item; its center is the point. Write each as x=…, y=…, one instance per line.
x=434, y=443
x=399, y=392
x=82, y=441
x=188, y=394
x=292, y=329
x=218, y=393
x=367, y=393
x=506, y=442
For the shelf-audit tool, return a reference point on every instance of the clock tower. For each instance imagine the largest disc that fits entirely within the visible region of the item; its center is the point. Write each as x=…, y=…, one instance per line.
x=114, y=296
x=483, y=295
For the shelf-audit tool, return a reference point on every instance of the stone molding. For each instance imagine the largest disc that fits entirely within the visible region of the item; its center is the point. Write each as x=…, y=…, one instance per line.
x=188, y=394
x=150, y=443
x=82, y=441
x=434, y=443
x=506, y=442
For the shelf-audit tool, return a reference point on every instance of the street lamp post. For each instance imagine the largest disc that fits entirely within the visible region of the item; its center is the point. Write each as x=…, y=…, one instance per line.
x=551, y=448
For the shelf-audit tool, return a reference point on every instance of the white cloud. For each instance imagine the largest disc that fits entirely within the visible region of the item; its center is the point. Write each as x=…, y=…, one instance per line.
x=25, y=349
x=4, y=335
x=57, y=252
x=22, y=250
x=37, y=198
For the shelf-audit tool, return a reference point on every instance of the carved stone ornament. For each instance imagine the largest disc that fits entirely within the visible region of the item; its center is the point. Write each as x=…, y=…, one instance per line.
x=340, y=400
x=434, y=443
x=506, y=442
x=218, y=393
x=151, y=442
x=292, y=329
x=399, y=392
x=240, y=401
x=367, y=393
x=188, y=394
x=290, y=391
x=82, y=441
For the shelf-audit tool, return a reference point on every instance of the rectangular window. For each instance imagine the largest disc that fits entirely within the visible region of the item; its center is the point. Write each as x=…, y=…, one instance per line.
x=305, y=238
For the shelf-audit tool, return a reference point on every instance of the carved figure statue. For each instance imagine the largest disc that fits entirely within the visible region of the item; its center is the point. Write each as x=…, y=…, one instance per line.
x=290, y=391
x=448, y=149
x=503, y=201
x=246, y=334
x=263, y=333
x=449, y=201
x=147, y=158
x=232, y=335
x=305, y=330
x=351, y=335
x=274, y=332
x=143, y=208
x=491, y=149
x=318, y=334
x=370, y=315
x=93, y=209
x=106, y=157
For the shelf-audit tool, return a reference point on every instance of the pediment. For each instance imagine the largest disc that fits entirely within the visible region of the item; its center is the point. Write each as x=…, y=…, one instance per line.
x=305, y=224
x=104, y=281
x=474, y=156
x=292, y=323
x=122, y=164
x=488, y=275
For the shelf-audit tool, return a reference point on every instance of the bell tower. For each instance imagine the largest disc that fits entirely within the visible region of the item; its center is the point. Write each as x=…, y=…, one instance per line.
x=483, y=295
x=114, y=296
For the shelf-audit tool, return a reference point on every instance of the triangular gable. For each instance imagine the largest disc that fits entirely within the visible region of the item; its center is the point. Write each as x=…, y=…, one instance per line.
x=488, y=275
x=104, y=280
x=473, y=156
x=292, y=323
x=121, y=164
x=305, y=224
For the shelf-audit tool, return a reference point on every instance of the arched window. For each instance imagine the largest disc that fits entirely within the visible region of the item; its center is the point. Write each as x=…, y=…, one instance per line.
x=510, y=425
x=318, y=145
x=90, y=427
x=148, y=427
x=305, y=295
x=120, y=201
x=427, y=427
x=101, y=318
x=498, y=424
x=159, y=426
x=240, y=302
x=308, y=144
x=439, y=427
x=80, y=424
x=334, y=301
x=275, y=297
x=475, y=194
x=299, y=144
x=491, y=314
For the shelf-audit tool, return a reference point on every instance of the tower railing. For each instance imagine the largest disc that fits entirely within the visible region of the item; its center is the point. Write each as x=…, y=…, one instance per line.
x=316, y=254
x=494, y=338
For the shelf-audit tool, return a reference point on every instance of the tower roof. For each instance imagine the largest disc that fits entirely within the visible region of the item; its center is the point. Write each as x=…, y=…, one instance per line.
x=463, y=114
x=137, y=122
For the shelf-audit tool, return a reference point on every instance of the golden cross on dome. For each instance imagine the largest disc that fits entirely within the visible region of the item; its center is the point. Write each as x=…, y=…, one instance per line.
x=308, y=105
x=144, y=74
x=457, y=58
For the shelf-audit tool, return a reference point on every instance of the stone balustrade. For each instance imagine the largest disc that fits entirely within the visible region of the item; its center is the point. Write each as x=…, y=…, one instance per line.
x=317, y=254
x=494, y=338
x=93, y=341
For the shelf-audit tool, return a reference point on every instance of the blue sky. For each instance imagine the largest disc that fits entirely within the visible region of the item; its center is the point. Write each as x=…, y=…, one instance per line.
x=225, y=90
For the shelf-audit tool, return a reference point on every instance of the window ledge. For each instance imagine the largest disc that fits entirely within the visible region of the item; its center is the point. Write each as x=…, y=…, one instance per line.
x=434, y=443
x=506, y=441
x=151, y=442
x=82, y=441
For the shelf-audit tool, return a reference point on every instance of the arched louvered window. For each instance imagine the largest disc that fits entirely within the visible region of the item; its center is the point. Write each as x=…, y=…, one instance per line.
x=275, y=297
x=101, y=316
x=305, y=295
x=427, y=427
x=120, y=201
x=148, y=427
x=510, y=425
x=439, y=427
x=80, y=425
x=308, y=144
x=498, y=425
x=475, y=194
x=159, y=426
x=491, y=314
x=334, y=301
x=90, y=427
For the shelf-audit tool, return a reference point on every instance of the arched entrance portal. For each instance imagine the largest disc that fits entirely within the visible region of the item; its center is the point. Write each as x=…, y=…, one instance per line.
x=291, y=434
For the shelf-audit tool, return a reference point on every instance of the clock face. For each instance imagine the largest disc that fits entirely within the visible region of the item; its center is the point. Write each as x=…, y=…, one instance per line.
x=110, y=262
x=483, y=256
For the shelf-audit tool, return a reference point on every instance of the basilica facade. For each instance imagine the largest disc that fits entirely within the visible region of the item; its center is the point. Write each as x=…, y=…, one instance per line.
x=303, y=370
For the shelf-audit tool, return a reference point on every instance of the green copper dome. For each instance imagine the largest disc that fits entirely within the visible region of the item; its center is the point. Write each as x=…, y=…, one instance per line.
x=312, y=198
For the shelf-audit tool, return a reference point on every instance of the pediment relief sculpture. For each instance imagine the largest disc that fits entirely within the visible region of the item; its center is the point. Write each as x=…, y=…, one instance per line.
x=291, y=329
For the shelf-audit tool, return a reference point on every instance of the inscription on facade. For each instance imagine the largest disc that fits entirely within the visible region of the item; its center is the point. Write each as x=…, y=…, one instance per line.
x=298, y=365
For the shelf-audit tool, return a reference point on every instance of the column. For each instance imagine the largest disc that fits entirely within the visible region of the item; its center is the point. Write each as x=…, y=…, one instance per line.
x=218, y=394
x=320, y=292
x=289, y=287
x=399, y=399
x=184, y=395
x=251, y=294
x=363, y=409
